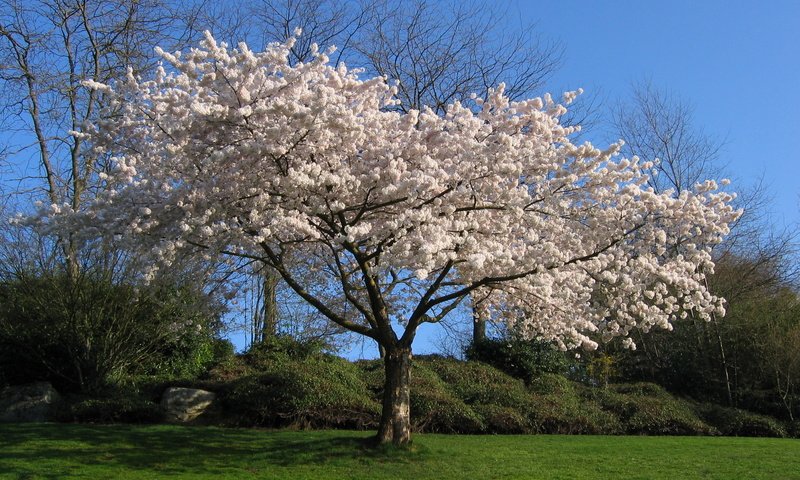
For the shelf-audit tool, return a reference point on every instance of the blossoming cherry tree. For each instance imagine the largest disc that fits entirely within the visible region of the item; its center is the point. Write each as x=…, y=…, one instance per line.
x=384, y=220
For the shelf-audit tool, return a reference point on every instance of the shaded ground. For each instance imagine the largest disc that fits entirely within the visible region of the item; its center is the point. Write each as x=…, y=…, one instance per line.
x=58, y=451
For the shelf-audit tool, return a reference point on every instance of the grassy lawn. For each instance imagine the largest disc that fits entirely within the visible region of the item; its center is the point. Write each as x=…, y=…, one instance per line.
x=56, y=451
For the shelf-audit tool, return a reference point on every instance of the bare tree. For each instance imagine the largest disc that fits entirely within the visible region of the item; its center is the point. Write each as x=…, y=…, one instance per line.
x=662, y=129
x=48, y=49
x=440, y=55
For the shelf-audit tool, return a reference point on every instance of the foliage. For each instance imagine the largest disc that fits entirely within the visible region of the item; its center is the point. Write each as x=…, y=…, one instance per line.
x=320, y=392
x=557, y=407
x=83, y=333
x=451, y=396
x=478, y=383
x=278, y=347
x=736, y=422
x=503, y=420
x=116, y=409
x=193, y=345
x=748, y=360
x=646, y=409
x=520, y=358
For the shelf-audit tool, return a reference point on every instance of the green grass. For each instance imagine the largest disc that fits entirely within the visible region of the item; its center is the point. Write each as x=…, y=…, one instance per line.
x=59, y=451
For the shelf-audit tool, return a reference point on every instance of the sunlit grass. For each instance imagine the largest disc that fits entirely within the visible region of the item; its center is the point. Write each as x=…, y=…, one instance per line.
x=56, y=451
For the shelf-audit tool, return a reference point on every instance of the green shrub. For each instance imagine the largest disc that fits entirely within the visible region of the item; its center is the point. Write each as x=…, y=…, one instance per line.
x=552, y=384
x=194, y=357
x=84, y=333
x=645, y=389
x=741, y=423
x=647, y=409
x=325, y=392
x=497, y=402
x=434, y=408
x=280, y=347
x=503, y=420
x=477, y=383
x=523, y=359
x=372, y=374
x=117, y=409
x=558, y=407
x=229, y=370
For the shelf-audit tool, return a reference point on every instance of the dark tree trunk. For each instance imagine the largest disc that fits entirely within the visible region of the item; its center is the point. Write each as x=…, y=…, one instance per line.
x=270, y=325
x=478, y=329
x=265, y=319
x=395, y=426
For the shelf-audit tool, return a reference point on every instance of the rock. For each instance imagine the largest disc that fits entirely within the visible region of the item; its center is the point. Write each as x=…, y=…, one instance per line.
x=33, y=402
x=185, y=404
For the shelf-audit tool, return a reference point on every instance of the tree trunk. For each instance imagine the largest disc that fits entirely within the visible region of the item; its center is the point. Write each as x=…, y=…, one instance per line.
x=264, y=324
x=270, y=308
x=724, y=362
x=395, y=426
x=478, y=328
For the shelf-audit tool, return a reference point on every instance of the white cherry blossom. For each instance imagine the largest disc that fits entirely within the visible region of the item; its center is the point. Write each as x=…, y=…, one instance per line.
x=383, y=220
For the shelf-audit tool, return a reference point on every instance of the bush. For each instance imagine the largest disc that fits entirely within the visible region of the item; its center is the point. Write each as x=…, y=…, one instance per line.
x=324, y=392
x=116, y=409
x=741, y=423
x=479, y=397
x=558, y=407
x=523, y=359
x=281, y=348
x=503, y=420
x=84, y=333
x=476, y=383
x=551, y=383
x=647, y=409
x=434, y=408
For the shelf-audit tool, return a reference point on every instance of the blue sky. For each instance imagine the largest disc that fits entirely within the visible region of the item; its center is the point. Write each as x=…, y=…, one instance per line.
x=736, y=62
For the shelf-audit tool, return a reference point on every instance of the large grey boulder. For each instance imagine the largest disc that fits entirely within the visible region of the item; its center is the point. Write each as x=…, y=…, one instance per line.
x=33, y=402
x=185, y=404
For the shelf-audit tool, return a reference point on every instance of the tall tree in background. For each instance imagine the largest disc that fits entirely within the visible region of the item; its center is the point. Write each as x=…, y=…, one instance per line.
x=48, y=48
x=85, y=302
x=658, y=125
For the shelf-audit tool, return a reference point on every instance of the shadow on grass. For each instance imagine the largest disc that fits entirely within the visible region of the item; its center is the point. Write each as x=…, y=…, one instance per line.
x=169, y=450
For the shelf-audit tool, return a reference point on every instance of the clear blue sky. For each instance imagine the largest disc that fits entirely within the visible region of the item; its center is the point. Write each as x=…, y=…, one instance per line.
x=737, y=62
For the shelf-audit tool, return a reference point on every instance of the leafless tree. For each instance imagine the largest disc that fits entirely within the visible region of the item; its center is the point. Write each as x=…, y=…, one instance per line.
x=48, y=49
x=439, y=55
x=658, y=126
